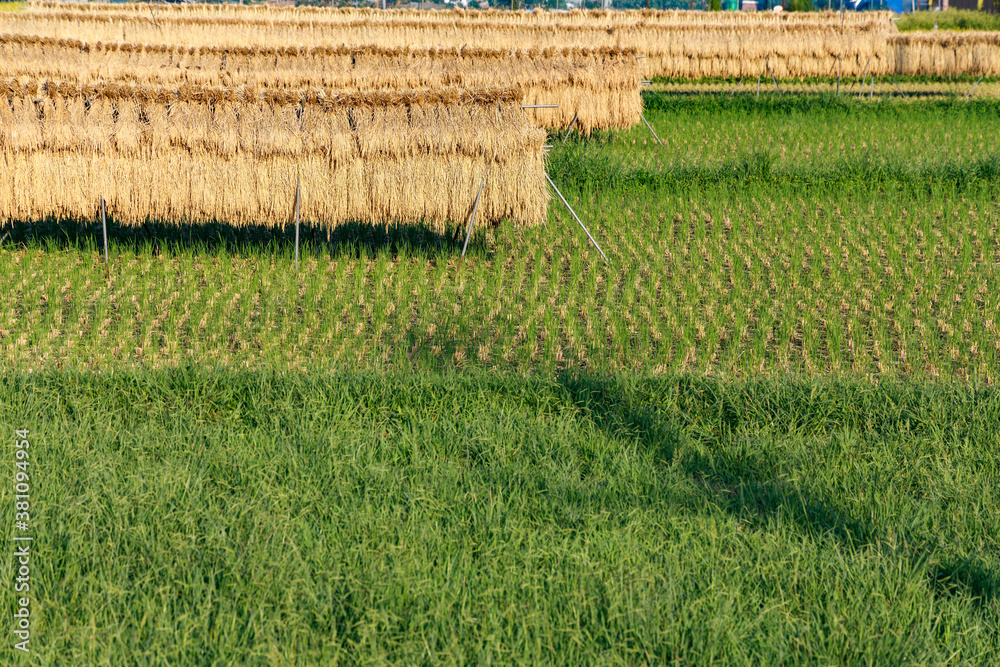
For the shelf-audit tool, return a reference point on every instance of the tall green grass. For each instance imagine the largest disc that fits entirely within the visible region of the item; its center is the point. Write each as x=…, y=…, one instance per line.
x=201, y=517
x=952, y=19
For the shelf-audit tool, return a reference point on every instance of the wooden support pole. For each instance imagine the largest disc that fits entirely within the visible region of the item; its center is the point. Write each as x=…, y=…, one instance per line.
x=104, y=228
x=738, y=84
x=838, y=74
x=758, y=85
x=472, y=220
x=298, y=200
x=575, y=217
x=650, y=129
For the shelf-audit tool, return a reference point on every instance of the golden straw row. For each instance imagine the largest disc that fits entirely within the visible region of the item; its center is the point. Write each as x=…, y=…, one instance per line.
x=944, y=53
x=163, y=22
x=600, y=87
x=203, y=154
x=679, y=51
x=600, y=18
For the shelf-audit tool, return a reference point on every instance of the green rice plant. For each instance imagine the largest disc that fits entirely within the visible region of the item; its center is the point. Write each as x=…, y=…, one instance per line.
x=570, y=519
x=775, y=262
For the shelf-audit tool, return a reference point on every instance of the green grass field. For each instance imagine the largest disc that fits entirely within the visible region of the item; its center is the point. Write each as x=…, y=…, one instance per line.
x=952, y=19
x=219, y=517
x=765, y=433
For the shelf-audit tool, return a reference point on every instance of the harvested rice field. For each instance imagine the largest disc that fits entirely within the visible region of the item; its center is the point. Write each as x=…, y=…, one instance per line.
x=298, y=410
x=766, y=236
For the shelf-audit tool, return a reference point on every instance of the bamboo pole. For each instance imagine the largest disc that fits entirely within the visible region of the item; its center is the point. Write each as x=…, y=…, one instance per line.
x=575, y=217
x=472, y=220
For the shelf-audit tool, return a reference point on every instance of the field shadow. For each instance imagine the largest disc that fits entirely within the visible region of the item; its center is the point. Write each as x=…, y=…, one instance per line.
x=741, y=479
x=348, y=240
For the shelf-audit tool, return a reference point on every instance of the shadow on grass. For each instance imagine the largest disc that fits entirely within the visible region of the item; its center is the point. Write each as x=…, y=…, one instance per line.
x=348, y=240
x=742, y=479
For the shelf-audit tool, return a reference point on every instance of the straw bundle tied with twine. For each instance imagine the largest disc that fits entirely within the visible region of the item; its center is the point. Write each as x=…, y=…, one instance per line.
x=598, y=86
x=203, y=154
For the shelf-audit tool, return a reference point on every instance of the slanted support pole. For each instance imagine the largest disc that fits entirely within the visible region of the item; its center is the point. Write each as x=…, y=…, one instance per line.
x=650, y=129
x=771, y=72
x=576, y=116
x=969, y=94
x=864, y=77
x=472, y=220
x=575, y=217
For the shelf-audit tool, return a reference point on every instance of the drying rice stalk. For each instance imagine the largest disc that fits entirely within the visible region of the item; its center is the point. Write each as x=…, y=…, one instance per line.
x=202, y=154
x=599, y=85
x=574, y=17
x=678, y=44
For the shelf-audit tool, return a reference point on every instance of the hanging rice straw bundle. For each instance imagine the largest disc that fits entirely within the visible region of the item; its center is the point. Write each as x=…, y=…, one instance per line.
x=203, y=154
x=600, y=86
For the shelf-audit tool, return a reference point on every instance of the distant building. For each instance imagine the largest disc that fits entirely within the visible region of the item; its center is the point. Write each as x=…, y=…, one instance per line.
x=982, y=5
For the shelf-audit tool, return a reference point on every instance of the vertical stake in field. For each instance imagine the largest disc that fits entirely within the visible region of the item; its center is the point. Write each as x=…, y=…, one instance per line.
x=298, y=200
x=104, y=228
x=838, y=74
x=575, y=217
x=650, y=129
x=472, y=220
x=758, y=85
x=738, y=84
